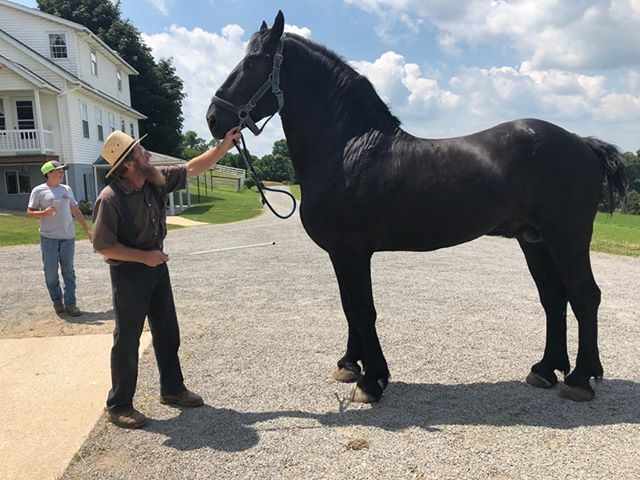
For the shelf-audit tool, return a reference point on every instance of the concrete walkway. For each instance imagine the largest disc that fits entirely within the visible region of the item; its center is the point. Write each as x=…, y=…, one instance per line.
x=52, y=392
x=183, y=222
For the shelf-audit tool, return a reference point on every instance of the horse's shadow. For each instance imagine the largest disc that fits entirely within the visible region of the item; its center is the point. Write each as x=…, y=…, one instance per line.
x=408, y=405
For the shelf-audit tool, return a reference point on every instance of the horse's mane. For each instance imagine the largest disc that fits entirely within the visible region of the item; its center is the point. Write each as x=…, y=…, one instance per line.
x=349, y=86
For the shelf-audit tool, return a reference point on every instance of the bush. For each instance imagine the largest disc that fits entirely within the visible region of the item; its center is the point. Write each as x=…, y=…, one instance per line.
x=249, y=182
x=632, y=205
x=85, y=207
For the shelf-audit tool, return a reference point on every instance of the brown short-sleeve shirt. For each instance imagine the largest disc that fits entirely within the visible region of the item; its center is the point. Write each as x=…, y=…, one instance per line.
x=147, y=214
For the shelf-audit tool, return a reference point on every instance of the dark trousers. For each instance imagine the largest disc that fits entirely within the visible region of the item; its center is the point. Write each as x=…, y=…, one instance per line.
x=140, y=291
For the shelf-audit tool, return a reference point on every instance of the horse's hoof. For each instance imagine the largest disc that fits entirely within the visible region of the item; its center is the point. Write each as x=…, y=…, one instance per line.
x=360, y=396
x=576, y=394
x=345, y=375
x=538, y=381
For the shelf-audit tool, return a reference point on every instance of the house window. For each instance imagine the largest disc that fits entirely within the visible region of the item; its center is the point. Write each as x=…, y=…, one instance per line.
x=57, y=45
x=99, y=124
x=122, y=125
x=133, y=134
x=3, y=124
x=112, y=122
x=119, y=78
x=94, y=62
x=84, y=116
x=16, y=183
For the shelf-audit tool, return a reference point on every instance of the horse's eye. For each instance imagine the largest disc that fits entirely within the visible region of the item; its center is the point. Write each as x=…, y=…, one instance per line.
x=249, y=64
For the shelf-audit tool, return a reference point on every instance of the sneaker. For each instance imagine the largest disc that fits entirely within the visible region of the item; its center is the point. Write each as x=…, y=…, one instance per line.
x=58, y=307
x=184, y=399
x=128, y=418
x=73, y=310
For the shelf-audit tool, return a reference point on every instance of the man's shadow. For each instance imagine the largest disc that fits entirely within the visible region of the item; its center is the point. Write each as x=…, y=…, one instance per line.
x=406, y=405
x=89, y=318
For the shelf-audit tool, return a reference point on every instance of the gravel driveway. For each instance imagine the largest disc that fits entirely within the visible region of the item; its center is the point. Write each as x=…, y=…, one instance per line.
x=263, y=327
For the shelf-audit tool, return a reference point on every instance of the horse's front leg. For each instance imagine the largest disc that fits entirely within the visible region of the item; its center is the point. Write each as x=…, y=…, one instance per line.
x=353, y=271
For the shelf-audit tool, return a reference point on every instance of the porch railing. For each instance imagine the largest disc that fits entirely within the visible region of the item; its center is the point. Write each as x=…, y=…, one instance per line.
x=25, y=141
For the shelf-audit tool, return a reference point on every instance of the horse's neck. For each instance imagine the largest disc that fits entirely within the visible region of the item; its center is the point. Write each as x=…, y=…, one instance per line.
x=317, y=122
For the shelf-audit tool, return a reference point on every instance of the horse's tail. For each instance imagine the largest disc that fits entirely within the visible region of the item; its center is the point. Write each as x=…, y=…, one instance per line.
x=614, y=171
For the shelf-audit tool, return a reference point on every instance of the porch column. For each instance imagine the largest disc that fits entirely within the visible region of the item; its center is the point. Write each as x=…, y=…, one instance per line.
x=172, y=207
x=180, y=199
x=36, y=96
x=188, y=197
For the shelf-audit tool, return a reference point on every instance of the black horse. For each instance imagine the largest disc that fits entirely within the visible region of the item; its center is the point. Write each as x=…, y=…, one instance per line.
x=369, y=186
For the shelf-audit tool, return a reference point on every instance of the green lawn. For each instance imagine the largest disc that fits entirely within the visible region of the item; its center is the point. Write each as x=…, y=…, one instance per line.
x=619, y=234
x=20, y=229
x=222, y=205
x=295, y=190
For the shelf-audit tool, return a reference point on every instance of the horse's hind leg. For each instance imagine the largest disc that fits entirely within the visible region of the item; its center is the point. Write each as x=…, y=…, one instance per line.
x=553, y=297
x=353, y=271
x=571, y=255
x=574, y=266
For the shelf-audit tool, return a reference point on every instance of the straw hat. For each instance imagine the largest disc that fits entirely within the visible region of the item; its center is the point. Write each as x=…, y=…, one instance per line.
x=117, y=147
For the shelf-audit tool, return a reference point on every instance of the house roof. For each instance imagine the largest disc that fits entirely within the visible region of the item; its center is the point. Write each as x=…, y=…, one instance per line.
x=78, y=28
x=29, y=75
x=67, y=75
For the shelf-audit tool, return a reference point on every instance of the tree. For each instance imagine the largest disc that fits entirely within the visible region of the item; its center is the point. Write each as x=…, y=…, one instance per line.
x=274, y=167
x=192, y=145
x=632, y=167
x=156, y=91
x=632, y=205
x=277, y=165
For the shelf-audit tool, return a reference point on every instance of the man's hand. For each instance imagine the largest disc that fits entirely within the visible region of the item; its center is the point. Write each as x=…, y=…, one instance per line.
x=230, y=138
x=153, y=258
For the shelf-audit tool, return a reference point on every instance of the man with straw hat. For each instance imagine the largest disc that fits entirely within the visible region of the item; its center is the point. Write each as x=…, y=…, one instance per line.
x=129, y=227
x=53, y=203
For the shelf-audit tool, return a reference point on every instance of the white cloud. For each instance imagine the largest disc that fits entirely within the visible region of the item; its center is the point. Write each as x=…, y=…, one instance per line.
x=552, y=33
x=402, y=85
x=302, y=31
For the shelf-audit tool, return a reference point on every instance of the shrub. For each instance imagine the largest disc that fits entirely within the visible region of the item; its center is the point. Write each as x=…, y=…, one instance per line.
x=85, y=207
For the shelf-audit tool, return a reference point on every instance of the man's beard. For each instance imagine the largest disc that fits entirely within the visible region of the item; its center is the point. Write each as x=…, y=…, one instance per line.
x=152, y=174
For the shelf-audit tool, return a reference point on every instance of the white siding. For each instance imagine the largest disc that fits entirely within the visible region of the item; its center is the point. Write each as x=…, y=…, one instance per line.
x=86, y=150
x=106, y=81
x=34, y=31
x=10, y=80
x=16, y=55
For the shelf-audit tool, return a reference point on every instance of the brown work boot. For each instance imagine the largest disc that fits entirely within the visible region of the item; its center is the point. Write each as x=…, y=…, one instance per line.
x=184, y=399
x=73, y=310
x=128, y=418
x=58, y=307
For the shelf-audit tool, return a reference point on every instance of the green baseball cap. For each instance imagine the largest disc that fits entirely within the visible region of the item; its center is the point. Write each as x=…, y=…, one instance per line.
x=51, y=166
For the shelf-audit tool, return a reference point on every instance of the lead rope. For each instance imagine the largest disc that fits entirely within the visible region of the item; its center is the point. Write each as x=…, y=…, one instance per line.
x=246, y=157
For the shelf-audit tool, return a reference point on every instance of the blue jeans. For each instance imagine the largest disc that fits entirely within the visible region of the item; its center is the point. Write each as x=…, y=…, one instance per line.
x=56, y=251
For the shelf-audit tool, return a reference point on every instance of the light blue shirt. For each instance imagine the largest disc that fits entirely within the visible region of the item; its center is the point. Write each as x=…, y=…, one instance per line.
x=58, y=226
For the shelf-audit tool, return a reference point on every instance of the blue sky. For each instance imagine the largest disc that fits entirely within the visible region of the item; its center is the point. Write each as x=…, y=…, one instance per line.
x=445, y=68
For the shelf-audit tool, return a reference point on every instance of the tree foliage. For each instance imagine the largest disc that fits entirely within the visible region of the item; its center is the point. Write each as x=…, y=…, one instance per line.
x=156, y=91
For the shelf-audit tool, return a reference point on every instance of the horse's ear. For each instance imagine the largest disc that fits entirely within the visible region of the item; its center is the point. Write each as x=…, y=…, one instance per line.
x=263, y=27
x=276, y=31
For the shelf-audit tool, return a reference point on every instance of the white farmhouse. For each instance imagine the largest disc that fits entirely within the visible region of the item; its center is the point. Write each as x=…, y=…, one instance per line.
x=62, y=91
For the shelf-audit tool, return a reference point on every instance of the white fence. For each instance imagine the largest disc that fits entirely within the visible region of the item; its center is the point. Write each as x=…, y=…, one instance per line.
x=23, y=141
x=235, y=172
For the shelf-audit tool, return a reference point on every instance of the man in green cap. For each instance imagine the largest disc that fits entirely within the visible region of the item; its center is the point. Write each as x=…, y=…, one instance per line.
x=55, y=206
